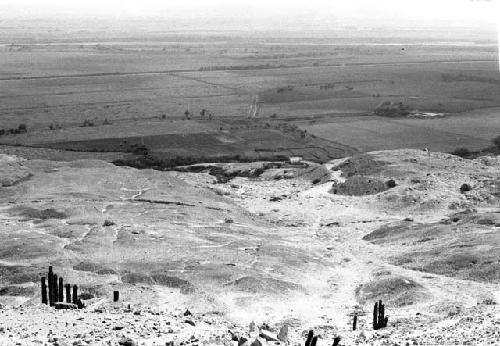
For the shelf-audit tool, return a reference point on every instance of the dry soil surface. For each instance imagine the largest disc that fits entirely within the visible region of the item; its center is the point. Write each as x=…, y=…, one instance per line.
x=280, y=249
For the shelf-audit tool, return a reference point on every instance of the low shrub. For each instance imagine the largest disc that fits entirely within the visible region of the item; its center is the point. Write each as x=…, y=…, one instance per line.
x=465, y=188
x=390, y=183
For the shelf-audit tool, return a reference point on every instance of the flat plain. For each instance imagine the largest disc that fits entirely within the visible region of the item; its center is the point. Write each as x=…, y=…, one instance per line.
x=326, y=87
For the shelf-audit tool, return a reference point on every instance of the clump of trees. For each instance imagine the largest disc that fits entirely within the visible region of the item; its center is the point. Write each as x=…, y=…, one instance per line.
x=54, y=126
x=22, y=128
x=462, y=152
x=496, y=142
x=88, y=123
x=469, y=154
x=392, y=109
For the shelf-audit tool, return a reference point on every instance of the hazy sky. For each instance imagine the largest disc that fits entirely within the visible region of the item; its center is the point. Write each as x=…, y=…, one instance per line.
x=397, y=12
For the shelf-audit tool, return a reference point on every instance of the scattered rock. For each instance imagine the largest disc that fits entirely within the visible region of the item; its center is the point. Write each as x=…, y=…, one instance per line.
x=127, y=342
x=65, y=306
x=283, y=334
x=108, y=223
x=267, y=335
x=251, y=327
x=465, y=188
x=190, y=322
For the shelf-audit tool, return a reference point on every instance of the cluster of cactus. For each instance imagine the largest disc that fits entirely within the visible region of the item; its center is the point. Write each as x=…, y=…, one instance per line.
x=53, y=290
x=379, y=319
x=312, y=340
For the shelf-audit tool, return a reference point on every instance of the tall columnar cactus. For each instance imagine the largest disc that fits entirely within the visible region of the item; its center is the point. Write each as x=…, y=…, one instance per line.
x=379, y=319
x=309, y=339
x=68, y=293
x=61, y=290
x=75, y=294
x=55, y=288
x=44, y=291
x=375, y=316
x=354, y=322
x=51, y=287
x=381, y=314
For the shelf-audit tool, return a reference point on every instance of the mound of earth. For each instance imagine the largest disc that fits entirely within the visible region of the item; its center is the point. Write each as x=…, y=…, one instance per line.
x=13, y=171
x=364, y=165
x=464, y=245
x=359, y=186
x=395, y=291
x=262, y=285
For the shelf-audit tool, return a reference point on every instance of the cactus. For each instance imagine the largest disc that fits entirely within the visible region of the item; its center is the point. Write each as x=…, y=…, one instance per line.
x=309, y=338
x=379, y=319
x=381, y=315
x=51, y=287
x=55, y=288
x=61, y=290
x=75, y=294
x=375, y=316
x=354, y=322
x=68, y=293
x=44, y=291
x=116, y=296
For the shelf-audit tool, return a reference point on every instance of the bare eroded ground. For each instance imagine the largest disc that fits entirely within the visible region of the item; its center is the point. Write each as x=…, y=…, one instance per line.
x=281, y=248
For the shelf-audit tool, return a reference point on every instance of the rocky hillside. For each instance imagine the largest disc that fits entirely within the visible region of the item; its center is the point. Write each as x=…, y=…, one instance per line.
x=303, y=246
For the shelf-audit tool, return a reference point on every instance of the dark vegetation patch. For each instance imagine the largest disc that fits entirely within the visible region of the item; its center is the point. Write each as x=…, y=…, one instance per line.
x=359, y=186
x=166, y=163
x=22, y=128
x=248, y=142
x=225, y=173
x=392, y=109
x=17, y=291
x=466, y=153
x=94, y=268
x=29, y=213
x=395, y=290
x=463, y=153
x=462, y=77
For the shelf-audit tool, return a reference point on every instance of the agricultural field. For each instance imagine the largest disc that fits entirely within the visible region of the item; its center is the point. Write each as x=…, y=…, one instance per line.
x=155, y=89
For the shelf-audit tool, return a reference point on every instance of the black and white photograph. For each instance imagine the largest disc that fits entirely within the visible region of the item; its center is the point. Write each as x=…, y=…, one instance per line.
x=249, y=172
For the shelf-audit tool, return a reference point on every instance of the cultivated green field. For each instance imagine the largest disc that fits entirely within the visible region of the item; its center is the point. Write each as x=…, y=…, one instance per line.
x=326, y=87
